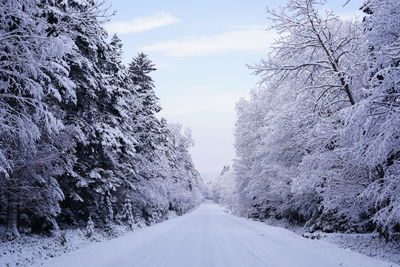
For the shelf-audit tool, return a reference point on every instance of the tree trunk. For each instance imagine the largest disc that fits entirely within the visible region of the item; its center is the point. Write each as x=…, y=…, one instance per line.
x=348, y=91
x=386, y=234
x=12, y=220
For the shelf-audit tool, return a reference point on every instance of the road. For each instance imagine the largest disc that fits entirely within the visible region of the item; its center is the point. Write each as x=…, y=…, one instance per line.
x=209, y=237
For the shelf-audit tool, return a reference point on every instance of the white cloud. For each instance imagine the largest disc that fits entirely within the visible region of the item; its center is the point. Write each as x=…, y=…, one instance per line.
x=246, y=38
x=157, y=20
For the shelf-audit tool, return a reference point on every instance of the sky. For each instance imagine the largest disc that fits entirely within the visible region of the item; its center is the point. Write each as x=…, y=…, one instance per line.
x=202, y=50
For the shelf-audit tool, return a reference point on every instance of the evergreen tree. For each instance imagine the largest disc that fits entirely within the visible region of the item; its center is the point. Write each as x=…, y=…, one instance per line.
x=32, y=135
x=92, y=179
x=79, y=135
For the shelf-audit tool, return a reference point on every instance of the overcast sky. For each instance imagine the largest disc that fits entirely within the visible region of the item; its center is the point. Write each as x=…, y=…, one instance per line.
x=201, y=49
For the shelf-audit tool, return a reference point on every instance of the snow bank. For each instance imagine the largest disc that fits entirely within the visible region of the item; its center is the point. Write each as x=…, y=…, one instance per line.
x=368, y=244
x=31, y=249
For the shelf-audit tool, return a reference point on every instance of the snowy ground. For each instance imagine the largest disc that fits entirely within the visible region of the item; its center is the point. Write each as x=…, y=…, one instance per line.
x=367, y=244
x=209, y=237
x=30, y=249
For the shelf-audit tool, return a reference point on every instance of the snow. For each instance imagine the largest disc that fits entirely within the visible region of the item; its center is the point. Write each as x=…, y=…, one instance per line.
x=368, y=244
x=30, y=249
x=210, y=237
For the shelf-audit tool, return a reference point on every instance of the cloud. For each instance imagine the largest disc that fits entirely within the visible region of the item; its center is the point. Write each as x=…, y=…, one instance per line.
x=245, y=38
x=160, y=19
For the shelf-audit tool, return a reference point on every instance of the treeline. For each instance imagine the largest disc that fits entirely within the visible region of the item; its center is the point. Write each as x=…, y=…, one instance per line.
x=79, y=136
x=222, y=188
x=318, y=142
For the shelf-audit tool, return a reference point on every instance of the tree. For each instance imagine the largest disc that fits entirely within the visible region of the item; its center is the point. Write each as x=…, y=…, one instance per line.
x=30, y=128
x=223, y=187
x=374, y=125
x=185, y=183
x=89, y=231
x=318, y=142
x=317, y=50
x=147, y=128
x=266, y=153
x=291, y=160
x=126, y=215
x=79, y=135
x=92, y=68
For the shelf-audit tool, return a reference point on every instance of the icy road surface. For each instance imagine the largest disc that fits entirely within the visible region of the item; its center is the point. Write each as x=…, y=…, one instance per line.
x=210, y=237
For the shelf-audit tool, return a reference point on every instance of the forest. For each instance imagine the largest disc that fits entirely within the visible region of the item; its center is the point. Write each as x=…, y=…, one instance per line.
x=84, y=148
x=318, y=140
x=81, y=143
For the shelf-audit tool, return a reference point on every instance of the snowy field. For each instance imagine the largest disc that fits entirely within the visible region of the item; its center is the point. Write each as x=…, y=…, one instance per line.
x=210, y=237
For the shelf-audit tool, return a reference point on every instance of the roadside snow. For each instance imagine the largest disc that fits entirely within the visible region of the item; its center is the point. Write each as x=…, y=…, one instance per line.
x=367, y=244
x=31, y=249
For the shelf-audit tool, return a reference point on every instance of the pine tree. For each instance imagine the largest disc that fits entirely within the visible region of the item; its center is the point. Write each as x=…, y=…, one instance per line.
x=30, y=127
x=89, y=231
x=147, y=126
x=126, y=215
x=79, y=132
x=91, y=113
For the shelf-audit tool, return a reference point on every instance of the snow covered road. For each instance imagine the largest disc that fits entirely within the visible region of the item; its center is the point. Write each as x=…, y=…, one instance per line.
x=209, y=237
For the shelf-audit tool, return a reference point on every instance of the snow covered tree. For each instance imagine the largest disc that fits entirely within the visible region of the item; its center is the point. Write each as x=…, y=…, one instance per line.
x=374, y=125
x=318, y=143
x=89, y=231
x=126, y=215
x=185, y=185
x=79, y=134
x=147, y=127
x=92, y=179
x=266, y=153
x=317, y=50
x=222, y=188
x=30, y=128
x=288, y=135
x=362, y=170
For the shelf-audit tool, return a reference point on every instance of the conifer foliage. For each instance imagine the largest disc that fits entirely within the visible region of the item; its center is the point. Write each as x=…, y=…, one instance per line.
x=80, y=143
